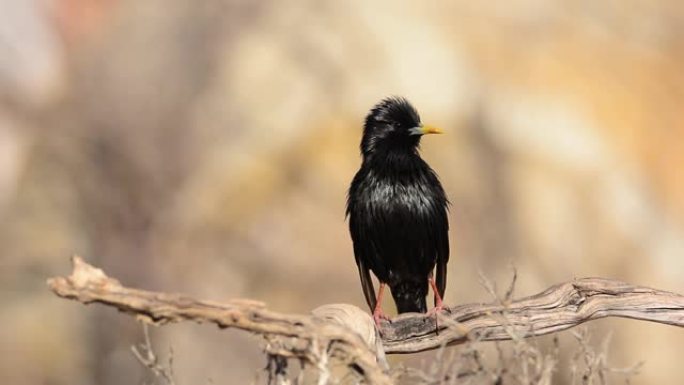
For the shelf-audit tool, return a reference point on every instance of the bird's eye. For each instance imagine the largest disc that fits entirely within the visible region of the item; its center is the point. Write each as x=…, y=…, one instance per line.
x=384, y=125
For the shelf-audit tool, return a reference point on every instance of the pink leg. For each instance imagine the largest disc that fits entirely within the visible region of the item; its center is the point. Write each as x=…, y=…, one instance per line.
x=439, y=305
x=377, y=312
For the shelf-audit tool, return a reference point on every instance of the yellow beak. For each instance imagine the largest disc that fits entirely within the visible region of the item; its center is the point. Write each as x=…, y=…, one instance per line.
x=427, y=129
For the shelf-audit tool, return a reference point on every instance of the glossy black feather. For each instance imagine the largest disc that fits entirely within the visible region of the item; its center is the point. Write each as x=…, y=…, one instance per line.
x=397, y=210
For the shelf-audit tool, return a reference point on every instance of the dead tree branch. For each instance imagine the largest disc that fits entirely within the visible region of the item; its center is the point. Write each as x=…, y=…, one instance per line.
x=560, y=307
x=347, y=332
x=306, y=337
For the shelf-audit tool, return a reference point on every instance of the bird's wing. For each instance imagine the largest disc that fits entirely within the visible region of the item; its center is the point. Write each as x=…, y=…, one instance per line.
x=442, y=255
x=367, y=284
x=441, y=278
x=359, y=229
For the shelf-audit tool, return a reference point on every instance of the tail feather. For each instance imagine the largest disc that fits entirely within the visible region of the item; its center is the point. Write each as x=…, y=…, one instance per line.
x=410, y=297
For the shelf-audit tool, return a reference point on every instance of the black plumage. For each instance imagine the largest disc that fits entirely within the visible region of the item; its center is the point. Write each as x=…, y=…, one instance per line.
x=397, y=211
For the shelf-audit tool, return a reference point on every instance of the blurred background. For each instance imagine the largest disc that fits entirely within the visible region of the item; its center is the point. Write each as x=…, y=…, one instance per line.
x=206, y=148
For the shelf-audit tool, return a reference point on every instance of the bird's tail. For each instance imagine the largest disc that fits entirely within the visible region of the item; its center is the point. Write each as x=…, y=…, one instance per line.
x=409, y=296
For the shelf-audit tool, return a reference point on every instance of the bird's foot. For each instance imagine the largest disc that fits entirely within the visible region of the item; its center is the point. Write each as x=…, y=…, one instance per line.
x=439, y=306
x=378, y=316
x=434, y=312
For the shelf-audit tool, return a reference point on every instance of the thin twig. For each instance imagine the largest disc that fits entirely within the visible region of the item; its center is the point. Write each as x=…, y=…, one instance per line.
x=145, y=354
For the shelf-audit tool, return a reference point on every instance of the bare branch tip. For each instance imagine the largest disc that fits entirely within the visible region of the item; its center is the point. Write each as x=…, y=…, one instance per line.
x=84, y=274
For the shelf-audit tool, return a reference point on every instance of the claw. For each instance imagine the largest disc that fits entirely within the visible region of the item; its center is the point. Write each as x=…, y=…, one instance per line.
x=379, y=315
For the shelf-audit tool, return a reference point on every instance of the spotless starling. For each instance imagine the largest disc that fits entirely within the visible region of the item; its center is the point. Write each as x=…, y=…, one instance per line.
x=397, y=211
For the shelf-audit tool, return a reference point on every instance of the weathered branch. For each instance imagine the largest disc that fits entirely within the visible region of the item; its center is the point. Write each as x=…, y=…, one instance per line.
x=558, y=308
x=347, y=332
x=308, y=337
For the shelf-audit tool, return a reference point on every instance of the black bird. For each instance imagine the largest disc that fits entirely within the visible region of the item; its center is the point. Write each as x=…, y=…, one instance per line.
x=397, y=211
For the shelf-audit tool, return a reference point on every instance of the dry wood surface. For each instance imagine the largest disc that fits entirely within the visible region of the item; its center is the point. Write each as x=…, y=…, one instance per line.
x=347, y=332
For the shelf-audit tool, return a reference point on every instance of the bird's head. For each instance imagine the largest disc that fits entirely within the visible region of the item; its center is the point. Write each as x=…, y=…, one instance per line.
x=393, y=125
